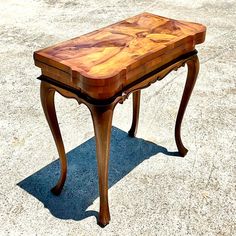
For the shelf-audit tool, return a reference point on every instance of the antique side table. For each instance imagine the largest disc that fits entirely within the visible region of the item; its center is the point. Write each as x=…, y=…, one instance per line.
x=102, y=68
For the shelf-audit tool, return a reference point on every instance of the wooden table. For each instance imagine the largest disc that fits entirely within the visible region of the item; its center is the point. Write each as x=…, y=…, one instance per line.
x=102, y=68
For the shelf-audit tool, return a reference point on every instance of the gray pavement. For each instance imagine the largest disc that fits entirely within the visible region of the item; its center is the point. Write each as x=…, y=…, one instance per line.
x=152, y=191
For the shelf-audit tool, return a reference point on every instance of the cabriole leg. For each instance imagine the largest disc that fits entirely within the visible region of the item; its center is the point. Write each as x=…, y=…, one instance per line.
x=102, y=120
x=136, y=107
x=47, y=99
x=193, y=68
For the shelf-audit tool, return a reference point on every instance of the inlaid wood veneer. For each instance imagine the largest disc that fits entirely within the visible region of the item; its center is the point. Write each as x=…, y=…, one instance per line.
x=103, y=62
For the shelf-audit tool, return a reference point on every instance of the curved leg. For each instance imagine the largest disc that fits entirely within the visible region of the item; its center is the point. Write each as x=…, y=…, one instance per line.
x=136, y=107
x=193, y=68
x=102, y=120
x=47, y=100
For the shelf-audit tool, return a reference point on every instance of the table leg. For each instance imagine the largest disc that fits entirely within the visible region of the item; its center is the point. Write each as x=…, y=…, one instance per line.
x=136, y=107
x=102, y=120
x=193, y=68
x=47, y=99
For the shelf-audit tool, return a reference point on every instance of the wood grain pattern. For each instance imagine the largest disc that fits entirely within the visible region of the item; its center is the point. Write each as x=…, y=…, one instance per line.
x=101, y=63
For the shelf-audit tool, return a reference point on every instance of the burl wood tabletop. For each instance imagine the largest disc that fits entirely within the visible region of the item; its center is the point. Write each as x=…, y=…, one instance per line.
x=102, y=62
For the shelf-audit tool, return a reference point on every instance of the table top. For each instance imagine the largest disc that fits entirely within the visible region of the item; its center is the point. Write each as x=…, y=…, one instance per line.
x=102, y=62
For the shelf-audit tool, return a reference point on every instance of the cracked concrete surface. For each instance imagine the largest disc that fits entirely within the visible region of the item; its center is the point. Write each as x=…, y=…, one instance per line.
x=152, y=191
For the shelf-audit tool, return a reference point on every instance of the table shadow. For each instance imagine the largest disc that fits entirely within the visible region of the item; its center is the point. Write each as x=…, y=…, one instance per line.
x=81, y=187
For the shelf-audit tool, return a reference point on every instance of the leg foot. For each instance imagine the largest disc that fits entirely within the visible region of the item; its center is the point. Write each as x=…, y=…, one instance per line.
x=57, y=189
x=102, y=225
x=47, y=100
x=102, y=120
x=136, y=107
x=193, y=68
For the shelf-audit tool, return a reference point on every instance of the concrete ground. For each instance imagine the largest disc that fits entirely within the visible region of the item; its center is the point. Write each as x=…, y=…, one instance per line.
x=152, y=191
